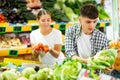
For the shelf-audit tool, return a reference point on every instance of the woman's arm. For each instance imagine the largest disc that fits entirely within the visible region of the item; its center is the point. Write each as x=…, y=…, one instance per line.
x=56, y=50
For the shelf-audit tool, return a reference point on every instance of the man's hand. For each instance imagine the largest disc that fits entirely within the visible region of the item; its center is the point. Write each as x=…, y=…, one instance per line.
x=77, y=57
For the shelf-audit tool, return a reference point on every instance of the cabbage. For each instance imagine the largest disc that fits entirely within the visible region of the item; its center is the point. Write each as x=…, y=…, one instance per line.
x=28, y=71
x=70, y=14
x=8, y=75
x=1, y=78
x=69, y=70
x=22, y=78
x=45, y=74
x=32, y=77
x=103, y=59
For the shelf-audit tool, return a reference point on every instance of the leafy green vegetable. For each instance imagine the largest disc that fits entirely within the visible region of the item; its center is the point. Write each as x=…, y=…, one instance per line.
x=45, y=74
x=1, y=78
x=69, y=70
x=8, y=75
x=28, y=71
x=32, y=77
x=102, y=13
x=70, y=14
x=103, y=59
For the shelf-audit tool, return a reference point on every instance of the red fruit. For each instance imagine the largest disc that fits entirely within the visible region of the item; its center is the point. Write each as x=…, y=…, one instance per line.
x=45, y=49
x=40, y=46
x=36, y=48
x=46, y=46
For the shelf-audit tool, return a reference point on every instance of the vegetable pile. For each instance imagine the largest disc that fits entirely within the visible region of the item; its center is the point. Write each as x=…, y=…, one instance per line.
x=70, y=69
x=68, y=10
x=104, y=59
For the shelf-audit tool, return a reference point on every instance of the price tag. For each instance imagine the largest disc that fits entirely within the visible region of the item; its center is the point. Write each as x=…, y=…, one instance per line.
x=62, y=27
x=13, y=53
x=98, y=25
x=2, y=30
x=107, y=24
x=34, y=27
x=17, y=29
x=63, y=47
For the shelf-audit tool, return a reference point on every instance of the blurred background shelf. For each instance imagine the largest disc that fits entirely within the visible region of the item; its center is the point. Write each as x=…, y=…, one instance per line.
x=15, y=52
x=24, y=28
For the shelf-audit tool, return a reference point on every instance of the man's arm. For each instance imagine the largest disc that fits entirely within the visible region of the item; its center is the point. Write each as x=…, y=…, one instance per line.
x=69, y=42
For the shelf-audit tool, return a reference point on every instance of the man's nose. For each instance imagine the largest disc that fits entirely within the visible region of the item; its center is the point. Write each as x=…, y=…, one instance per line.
x=90, y=24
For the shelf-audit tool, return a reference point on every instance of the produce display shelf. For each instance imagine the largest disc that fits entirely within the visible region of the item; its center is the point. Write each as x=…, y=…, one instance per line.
x=15, y=52
x=4, y=28
x=20, y=61
x=61, y=26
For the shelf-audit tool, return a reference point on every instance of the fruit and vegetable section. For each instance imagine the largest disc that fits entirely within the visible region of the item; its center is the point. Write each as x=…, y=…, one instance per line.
x=15, y=47
x=97, y=68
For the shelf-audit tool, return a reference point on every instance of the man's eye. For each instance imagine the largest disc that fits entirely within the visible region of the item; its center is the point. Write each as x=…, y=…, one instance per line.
x=95, y=21
x=87, y=21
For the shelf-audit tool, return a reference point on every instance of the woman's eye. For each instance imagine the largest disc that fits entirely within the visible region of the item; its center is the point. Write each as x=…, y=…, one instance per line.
x=48, y=20
x=43, y=20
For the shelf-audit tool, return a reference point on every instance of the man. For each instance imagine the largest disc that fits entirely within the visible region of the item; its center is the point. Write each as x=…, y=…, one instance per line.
x=83, y=40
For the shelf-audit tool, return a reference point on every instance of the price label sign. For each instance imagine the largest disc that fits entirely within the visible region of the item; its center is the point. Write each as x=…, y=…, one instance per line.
x=63, y=47
x=2, y=30
x=62, y=27
x=108, y=24
x=98, y=25
x=34, y=27
x=13, y=53
x=17, y=29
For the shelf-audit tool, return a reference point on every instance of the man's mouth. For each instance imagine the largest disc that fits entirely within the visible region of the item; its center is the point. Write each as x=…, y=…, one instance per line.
x=90, y=29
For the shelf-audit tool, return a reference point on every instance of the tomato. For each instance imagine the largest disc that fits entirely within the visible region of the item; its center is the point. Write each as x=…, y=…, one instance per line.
x=45, y=49
x=37, y=47
x=40, y=45
x=46, y=46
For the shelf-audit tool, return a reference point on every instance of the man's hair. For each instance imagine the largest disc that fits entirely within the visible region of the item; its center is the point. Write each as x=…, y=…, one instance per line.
x=89, y=10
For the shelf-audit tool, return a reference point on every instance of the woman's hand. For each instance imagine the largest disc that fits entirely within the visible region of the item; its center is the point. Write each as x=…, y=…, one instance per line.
x=41, y=47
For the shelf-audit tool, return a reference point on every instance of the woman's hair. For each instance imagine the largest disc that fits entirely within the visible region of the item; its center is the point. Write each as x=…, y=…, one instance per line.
x=42, y=12
x=89, y=10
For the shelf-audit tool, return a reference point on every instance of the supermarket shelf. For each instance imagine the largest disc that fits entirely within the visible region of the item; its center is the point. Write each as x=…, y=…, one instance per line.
x=24, y=28
x=19, y=61
x=15, y=52
x=60, y=26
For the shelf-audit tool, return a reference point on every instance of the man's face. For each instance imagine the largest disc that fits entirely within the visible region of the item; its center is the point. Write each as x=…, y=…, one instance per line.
x=88, y=24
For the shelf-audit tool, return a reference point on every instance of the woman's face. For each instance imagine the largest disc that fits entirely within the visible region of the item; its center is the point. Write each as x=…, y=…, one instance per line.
x=45, y=21
x=88, y=24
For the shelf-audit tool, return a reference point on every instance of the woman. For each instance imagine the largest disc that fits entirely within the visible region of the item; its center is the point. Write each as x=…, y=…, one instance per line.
x=47, y=35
